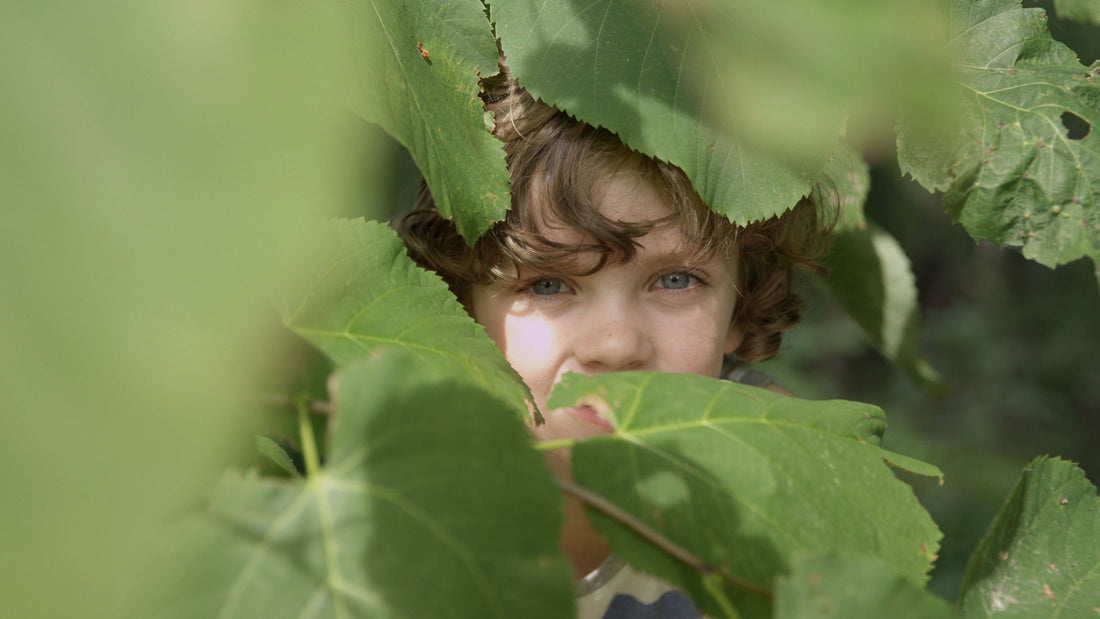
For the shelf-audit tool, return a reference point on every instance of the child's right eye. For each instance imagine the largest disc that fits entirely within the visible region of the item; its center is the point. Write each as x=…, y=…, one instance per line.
x=547, y=286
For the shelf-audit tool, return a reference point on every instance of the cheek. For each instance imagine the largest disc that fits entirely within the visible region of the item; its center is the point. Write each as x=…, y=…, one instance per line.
x=695, y=343
x=530, y=345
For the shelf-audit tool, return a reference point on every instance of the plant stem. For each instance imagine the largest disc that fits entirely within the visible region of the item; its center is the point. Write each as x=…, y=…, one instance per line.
x=305, y=431
x=654, y=537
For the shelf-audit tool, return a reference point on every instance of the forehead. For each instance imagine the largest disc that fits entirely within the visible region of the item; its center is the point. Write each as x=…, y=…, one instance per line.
x=629, y=196
x=624, y=199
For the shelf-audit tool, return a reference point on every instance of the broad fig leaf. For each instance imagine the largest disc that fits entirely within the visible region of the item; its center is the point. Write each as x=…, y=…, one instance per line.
x=843, y=586
x=743, y=478
x=431, y=504
x=748, y=99
x=419, y=62
x=1011, y=170
x=870, y=277
x=609, y=64
x=369, y=294
x=1041, y=556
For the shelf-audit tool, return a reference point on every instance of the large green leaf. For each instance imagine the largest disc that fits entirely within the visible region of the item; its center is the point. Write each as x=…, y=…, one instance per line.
x=368, y=293
x=152, y=193
x=843, y=586
x=431, y=504
x=745, y=478
x=608, y=64
x=1012, y=172
x=748, y=98
x=419, y=62
x=1041, y=556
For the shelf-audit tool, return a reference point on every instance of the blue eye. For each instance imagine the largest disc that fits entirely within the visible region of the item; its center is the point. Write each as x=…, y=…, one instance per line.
x=547, y=286
x=675, y=281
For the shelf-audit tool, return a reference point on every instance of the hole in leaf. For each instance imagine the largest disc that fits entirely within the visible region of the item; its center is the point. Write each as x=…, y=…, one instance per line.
x=1077, y=127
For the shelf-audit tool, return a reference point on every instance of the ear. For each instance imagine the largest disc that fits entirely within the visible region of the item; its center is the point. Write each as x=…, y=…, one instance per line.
x=734, y=337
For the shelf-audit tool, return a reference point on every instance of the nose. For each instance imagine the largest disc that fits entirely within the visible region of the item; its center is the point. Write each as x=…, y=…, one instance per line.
x=613, y=337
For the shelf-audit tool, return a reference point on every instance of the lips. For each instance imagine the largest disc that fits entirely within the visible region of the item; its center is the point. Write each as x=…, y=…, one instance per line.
x=588, y=415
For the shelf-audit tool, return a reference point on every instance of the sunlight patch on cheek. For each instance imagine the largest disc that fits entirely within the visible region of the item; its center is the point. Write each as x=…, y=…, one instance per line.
x=527, y=337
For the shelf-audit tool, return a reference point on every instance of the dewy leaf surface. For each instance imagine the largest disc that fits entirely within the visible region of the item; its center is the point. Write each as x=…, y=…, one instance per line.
x=1012, y=172
x=840, y=586
x=419, y=62
x=610, y=64
x=1041, y=556
x=744, y=478
x=370, y=294
x=431, y=504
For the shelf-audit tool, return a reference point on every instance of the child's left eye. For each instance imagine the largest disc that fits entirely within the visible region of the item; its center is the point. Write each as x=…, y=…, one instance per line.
x=676, y=281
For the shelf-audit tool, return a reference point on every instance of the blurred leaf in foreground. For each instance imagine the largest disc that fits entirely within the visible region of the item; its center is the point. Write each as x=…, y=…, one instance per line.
x=431, y=504
x=157, y=162
x=1041, y=556
x=744, y=478
x=1085, y=11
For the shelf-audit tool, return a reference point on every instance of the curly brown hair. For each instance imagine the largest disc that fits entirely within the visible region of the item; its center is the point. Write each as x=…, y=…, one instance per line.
x=556, y=162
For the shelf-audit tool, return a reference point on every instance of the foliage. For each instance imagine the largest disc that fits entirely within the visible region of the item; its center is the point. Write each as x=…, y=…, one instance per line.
x=1039, y=558
x=169, y=154
x=388, y=516
x=368, y=294
x=422, y=77
x=1012, y=172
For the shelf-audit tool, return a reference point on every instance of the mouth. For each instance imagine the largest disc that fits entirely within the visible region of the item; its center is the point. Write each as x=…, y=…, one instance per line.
x=589, y=416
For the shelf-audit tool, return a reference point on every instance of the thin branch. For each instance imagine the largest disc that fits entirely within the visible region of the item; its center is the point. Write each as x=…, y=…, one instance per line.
x=654, y=537
x=317, y=407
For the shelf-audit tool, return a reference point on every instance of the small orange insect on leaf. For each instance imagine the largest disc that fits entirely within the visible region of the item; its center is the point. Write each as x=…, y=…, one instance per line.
x=423, y=52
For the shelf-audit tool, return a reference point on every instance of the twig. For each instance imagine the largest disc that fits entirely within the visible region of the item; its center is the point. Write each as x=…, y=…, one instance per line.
x=317, y=407
x=654, y=537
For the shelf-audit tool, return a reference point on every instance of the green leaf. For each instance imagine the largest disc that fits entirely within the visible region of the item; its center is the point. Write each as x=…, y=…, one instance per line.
x=276, y=454
x=153, y=190
x=749, y=99
x=431, y=504
x=843, y=586
x=608, y=64
x=1041, y=556
x=1012, y=172
x=368, y=293
x=419, y=62
x=744, y=478
x=870, y=277
x=1084, y=11
x=850, y=176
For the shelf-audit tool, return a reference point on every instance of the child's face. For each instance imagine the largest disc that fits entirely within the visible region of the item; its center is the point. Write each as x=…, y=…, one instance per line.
x=655, y=312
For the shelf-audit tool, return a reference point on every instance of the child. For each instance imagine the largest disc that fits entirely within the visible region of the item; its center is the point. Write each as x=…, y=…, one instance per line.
x=609, y=261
